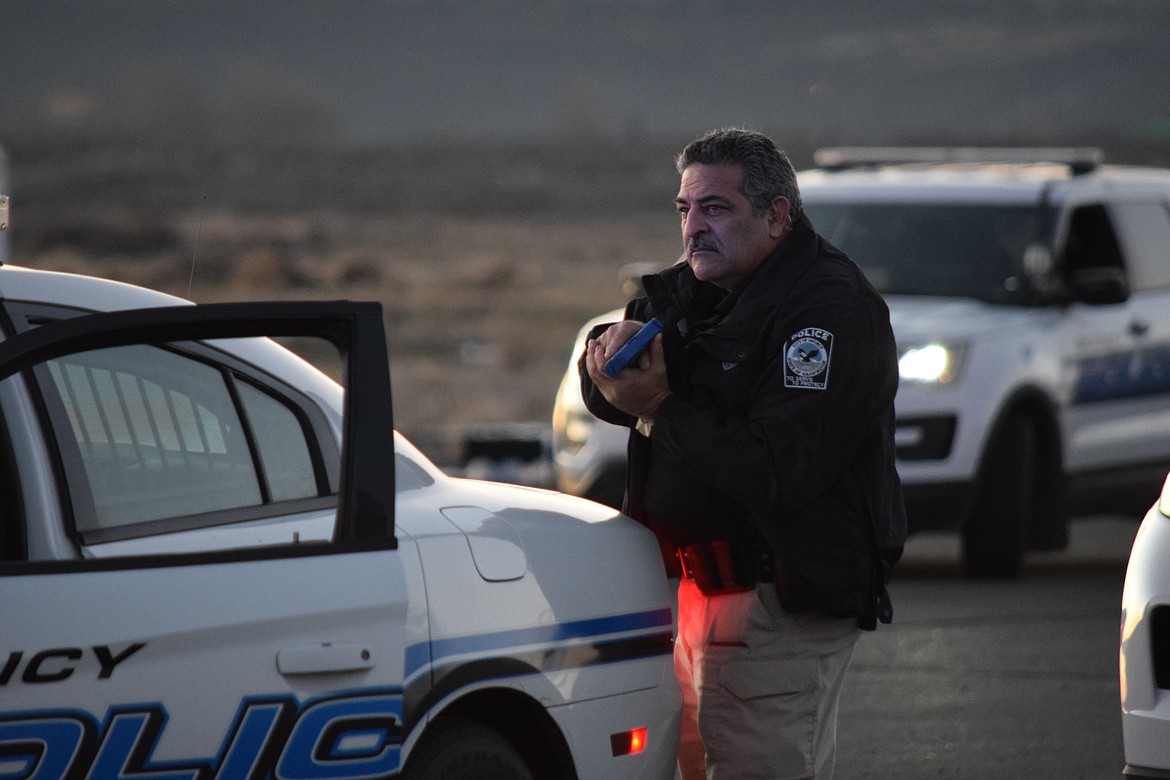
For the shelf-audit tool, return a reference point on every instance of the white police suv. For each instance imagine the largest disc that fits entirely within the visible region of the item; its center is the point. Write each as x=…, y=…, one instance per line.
x=1029, y=292
x=216, y=563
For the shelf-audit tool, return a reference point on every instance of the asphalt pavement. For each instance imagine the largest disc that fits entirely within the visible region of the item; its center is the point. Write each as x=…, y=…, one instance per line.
x=993, y=679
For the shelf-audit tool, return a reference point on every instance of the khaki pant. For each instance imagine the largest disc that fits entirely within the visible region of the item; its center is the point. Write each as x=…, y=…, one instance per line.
x=760, y=686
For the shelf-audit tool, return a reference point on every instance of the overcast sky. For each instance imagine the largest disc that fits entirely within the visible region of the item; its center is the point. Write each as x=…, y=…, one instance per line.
x=372, y=69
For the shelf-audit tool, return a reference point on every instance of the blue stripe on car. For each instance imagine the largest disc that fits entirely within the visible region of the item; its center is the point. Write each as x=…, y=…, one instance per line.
x=420, y=654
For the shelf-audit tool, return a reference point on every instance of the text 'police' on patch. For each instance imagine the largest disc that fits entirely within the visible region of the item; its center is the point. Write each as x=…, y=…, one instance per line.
x=806, y=359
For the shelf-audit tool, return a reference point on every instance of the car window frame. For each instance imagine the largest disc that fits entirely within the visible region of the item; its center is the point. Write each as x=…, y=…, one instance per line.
x=365, y=496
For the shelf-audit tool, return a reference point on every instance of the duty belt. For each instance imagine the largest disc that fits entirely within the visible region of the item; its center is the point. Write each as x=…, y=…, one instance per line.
x=723, y=566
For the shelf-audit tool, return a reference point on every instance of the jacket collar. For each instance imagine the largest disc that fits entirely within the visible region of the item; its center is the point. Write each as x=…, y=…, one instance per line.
x=774, y=277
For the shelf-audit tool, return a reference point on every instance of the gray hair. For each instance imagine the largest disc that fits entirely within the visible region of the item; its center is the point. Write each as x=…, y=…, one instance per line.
x=767, y=171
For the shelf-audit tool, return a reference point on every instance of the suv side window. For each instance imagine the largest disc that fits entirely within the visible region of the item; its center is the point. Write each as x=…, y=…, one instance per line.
x=1145, y=230
x=1091, y=241
x=154, y=440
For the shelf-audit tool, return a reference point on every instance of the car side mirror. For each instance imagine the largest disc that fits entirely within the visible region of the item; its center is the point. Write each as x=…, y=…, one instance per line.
x=1102, y=285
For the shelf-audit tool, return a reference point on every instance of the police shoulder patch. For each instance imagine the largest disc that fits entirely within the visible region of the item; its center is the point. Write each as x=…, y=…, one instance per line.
x=806, y=359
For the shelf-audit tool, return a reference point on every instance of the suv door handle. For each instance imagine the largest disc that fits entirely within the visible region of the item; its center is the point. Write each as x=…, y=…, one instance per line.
x=324, y=658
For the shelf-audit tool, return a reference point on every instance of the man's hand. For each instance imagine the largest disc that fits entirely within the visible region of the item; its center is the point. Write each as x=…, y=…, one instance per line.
x=641, y=387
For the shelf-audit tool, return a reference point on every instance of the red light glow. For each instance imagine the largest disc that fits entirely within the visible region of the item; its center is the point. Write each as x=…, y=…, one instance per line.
x=627, y=743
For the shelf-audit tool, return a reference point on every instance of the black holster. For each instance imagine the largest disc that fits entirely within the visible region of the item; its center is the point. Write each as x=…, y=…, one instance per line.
x=723, y=566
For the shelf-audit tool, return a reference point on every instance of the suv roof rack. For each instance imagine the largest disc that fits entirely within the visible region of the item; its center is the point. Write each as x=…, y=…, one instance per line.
x=1080, y=160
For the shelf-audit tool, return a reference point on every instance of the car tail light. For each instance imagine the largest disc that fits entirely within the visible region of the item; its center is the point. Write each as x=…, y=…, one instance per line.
x=627, y=743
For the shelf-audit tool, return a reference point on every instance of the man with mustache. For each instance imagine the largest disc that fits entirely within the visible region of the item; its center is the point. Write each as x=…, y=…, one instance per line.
x=761, y=454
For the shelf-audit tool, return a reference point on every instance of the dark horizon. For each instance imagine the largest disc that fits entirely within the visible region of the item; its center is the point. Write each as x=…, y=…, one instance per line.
x=372, y=71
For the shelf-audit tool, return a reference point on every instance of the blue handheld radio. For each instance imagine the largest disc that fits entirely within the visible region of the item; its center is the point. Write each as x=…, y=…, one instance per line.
x=634, y=347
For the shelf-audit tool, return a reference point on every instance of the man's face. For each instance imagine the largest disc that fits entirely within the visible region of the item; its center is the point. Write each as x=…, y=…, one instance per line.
x=724, y=241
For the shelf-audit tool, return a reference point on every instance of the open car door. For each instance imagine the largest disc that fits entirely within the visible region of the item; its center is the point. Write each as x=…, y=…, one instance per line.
x=240, y=659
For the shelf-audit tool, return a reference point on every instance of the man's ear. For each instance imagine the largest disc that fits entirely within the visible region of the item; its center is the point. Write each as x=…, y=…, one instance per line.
x=778, y=216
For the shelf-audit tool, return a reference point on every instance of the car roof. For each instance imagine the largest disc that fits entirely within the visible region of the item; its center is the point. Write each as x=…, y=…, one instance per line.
x=18, y=283
x=1001, y=176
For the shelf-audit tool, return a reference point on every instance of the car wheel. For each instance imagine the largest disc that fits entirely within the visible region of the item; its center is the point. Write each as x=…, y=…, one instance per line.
x=465, y=750
x=994, y=536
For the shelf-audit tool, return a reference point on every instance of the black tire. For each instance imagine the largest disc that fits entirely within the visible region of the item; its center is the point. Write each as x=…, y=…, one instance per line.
x=995, y=534
x=465, y=750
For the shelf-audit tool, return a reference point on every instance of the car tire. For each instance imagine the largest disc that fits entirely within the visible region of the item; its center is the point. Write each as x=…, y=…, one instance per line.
x=995, y=534
x=459, y=749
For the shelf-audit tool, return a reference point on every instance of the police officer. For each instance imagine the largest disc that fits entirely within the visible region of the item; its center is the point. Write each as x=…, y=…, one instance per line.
x=761, y=454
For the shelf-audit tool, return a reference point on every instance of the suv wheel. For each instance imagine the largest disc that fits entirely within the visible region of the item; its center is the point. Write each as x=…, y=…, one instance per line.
x=995, y=532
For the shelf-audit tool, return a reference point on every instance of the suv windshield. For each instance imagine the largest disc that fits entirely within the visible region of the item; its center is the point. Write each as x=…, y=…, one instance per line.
x=953, y=250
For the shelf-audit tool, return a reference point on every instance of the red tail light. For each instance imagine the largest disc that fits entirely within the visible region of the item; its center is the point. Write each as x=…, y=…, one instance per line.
x=627, y=743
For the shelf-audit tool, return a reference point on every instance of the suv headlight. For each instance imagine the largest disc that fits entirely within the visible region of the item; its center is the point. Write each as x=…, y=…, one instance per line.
x=935, y=363
x=572, y=423
x=573, y=430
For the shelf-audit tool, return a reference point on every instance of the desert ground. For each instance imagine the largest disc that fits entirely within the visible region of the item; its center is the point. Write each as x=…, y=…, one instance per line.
x=486, y=268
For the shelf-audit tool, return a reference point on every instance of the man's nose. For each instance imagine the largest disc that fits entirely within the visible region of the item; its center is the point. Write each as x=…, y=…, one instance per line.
x=693, y=224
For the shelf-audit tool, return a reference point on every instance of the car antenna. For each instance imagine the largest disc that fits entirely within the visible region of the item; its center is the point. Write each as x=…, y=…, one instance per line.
x=195, y=251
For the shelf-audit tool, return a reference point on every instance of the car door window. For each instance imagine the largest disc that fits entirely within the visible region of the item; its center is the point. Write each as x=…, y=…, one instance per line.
x=148, y=434
x=155, y=434
x=96, y=406
x=1091, y=242
x=280, y=445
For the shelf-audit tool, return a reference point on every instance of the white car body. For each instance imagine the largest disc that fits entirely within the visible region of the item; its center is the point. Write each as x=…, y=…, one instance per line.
x=331, y=629
x=1036, y=378
x=1145, y=647
x=589, y=456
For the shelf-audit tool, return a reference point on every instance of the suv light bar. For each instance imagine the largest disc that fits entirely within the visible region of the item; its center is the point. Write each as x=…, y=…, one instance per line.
x=1079, y=159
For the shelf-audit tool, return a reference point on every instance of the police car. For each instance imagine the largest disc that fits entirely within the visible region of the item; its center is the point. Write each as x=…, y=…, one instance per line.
x=216, y=563
x=1029, y=292
x=1145, y=646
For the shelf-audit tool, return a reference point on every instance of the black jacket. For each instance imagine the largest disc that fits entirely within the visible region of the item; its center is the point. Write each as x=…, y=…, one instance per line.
x=779, y=427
